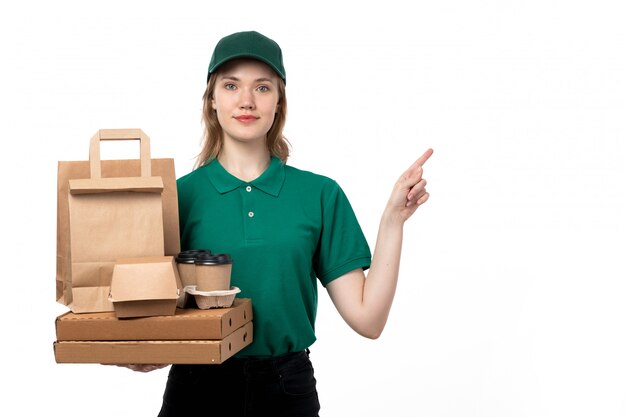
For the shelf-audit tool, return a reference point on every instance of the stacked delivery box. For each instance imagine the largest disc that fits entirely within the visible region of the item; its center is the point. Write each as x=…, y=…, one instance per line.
x=190, y=336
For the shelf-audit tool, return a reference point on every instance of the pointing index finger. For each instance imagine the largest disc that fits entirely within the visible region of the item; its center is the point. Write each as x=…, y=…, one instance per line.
x=417, y=165
x=422, y=159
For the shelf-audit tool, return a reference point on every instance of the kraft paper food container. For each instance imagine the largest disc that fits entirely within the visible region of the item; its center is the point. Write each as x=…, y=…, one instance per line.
x=213, y=272
x=155, y=351
x=185, y=324
x=213, y=299
x=185, y=262
x=145, y=286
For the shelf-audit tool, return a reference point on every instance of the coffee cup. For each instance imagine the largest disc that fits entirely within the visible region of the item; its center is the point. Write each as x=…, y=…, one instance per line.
x=213, y=272
x=185, y=261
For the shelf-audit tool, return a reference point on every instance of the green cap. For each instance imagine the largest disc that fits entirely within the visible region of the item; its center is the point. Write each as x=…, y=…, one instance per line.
x=248, y=45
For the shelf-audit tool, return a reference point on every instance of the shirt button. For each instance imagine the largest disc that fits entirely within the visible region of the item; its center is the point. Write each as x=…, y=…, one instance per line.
x=250, y=214
x=248, y=188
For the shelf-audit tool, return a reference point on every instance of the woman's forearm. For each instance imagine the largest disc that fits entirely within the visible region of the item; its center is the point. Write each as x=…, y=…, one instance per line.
x=380, y=285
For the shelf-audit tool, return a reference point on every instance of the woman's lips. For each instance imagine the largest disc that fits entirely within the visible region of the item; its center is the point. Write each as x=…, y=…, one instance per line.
x=246, y=118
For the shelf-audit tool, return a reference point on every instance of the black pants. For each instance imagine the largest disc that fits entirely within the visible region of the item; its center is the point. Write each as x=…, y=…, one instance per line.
x=280, y=386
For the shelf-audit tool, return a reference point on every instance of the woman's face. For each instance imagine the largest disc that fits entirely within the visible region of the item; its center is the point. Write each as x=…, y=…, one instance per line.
x=245, y=100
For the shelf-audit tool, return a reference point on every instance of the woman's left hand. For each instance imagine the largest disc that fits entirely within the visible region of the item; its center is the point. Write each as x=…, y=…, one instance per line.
x=409, y=192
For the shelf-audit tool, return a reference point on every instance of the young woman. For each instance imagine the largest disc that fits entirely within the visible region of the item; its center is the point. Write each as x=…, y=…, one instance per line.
x=285, y=229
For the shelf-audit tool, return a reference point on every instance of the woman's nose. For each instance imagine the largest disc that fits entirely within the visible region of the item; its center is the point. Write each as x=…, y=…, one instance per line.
x=246, y=100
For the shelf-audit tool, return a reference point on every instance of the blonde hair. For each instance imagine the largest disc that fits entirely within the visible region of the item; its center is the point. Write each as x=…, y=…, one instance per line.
x=213, y=139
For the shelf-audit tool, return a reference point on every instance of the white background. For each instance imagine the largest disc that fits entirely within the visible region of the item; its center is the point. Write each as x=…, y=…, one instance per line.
x=512, y=289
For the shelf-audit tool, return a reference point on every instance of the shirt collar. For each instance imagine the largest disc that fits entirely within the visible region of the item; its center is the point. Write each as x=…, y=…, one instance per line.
x=270, y=181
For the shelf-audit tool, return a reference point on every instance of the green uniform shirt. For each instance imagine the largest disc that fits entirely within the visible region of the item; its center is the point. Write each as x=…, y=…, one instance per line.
x=284, y=230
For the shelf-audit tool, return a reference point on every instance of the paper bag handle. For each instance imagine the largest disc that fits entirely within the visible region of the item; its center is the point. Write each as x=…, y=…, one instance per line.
x=119, y=134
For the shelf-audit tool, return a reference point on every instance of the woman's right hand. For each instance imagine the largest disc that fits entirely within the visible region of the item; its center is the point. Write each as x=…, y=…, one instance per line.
x=142, y=367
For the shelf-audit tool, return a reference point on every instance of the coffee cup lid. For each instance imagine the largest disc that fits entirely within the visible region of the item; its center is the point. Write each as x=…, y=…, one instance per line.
x=213, y=259
x=189, y=256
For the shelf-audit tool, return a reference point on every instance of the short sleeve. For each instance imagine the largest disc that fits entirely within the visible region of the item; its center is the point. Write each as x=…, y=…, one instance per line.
x=342, y=246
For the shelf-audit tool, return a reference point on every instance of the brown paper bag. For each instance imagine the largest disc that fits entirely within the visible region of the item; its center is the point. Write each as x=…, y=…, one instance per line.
x=108, y=210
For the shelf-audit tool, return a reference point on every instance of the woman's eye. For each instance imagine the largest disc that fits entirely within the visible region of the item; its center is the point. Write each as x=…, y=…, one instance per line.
x=230, y=86
x=263, y=88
